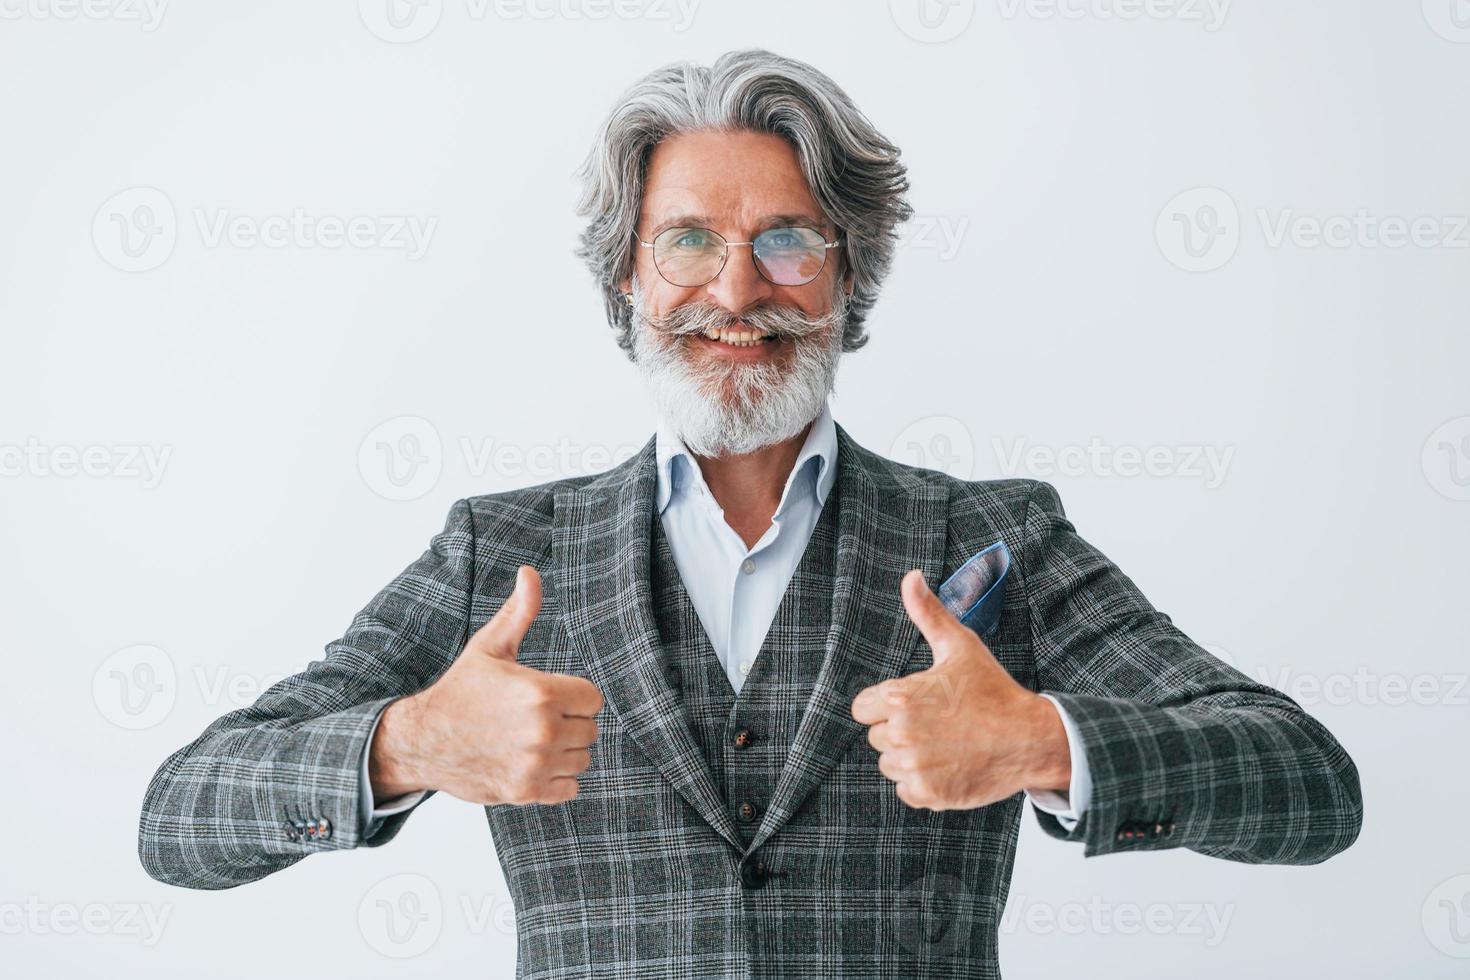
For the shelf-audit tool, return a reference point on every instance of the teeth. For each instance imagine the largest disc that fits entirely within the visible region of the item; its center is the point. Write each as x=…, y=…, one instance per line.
x=737, y=336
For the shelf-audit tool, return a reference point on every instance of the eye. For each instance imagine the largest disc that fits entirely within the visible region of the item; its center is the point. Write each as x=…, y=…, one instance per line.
x=690, y=238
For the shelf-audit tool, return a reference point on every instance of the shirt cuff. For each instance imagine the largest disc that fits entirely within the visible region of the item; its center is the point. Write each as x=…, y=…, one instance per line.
x=1067, y=807
x=368, y=810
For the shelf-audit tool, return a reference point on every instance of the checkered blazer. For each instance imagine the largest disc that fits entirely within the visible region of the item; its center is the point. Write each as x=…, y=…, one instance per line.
x=645, y=873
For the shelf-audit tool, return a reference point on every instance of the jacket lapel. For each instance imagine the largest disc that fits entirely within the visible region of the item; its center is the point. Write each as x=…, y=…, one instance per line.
x=600, y=540
x=889, y=521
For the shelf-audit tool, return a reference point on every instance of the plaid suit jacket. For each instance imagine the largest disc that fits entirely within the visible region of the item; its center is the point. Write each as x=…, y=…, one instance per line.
x=645, y=874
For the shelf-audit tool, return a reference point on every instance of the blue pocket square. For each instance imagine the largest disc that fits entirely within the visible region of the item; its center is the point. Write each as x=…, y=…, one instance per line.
x=976, y=592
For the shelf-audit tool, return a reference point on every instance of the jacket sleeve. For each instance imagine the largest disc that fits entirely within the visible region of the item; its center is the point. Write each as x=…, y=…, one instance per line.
x=266, y=785
x=1184, y=750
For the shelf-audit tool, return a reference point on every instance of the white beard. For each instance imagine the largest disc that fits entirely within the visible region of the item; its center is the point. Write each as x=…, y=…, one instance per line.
x=729, y=408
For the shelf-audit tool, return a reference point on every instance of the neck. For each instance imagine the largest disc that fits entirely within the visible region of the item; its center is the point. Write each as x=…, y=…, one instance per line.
x=748, y=486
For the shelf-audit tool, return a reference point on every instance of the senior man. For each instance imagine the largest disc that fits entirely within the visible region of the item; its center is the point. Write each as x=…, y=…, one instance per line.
x=719, y=719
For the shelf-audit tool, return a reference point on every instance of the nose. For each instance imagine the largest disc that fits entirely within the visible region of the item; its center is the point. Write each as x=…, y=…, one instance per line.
x=739, y=286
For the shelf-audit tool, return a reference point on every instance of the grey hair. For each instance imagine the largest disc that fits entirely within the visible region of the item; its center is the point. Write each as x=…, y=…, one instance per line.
x=853, y=172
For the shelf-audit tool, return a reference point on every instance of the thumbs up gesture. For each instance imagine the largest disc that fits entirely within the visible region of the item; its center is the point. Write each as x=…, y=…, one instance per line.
x=490, y=730
x=962, y=734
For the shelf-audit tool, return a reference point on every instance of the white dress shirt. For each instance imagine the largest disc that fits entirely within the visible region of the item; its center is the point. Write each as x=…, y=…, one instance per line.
x=736, y=590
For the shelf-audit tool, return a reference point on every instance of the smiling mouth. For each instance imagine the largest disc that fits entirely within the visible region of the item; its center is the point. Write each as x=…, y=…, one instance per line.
x=738, y=336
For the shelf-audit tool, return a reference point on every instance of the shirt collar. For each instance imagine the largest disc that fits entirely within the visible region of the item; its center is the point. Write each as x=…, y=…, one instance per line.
x=818, y=453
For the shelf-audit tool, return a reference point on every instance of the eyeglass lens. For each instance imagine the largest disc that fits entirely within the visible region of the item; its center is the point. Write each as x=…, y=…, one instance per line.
x=785, y=256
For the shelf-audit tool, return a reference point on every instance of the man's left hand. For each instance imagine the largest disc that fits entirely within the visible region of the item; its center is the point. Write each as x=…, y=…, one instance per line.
x=962, y=734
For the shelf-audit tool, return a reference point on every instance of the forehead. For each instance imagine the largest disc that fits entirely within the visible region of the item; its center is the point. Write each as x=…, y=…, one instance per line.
x=736, y=177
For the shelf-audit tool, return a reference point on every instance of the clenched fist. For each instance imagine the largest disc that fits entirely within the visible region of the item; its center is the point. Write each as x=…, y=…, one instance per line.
x=962, y=734
x=490, y=730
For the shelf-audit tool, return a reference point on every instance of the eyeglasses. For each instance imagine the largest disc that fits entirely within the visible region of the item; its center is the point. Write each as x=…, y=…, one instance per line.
x=783, y=256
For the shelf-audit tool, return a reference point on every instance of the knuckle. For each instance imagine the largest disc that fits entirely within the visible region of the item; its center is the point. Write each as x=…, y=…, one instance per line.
x=525, y=787
x=540, y=729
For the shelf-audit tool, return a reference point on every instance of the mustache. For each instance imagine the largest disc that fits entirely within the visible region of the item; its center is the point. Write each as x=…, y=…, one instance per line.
x=786, y=322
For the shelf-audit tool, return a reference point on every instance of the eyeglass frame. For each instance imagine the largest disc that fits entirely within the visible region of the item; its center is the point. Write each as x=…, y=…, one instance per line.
x=724, y=259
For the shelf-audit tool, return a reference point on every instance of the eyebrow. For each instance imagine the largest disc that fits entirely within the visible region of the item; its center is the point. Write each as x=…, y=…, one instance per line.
x=769, y=221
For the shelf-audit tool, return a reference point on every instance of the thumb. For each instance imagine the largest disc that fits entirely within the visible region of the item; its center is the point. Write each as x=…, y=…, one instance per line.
x=501, y=636
x=935, y=622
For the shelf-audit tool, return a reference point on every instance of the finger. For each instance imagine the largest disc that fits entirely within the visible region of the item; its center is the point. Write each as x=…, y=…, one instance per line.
x=570, y=762
x=877, y=703
x=935, y=622
x=501, y=636
x=559, y=789
x=576, y=733
x=897, y=765
x=911, y=796
x=880, y=738
x=576, y=697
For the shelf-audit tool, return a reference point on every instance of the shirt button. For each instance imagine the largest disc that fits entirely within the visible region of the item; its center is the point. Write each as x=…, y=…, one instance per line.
x=745, y=666
x=747, y=566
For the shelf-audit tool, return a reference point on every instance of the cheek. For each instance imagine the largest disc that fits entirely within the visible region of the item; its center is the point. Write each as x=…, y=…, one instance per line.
x=813, y=302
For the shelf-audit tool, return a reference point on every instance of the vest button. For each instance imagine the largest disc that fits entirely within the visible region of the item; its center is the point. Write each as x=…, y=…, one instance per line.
x=747, y=811
x=743, y=738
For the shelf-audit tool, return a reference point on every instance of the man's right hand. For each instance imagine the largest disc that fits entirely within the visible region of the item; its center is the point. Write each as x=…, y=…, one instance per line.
x=490, y=730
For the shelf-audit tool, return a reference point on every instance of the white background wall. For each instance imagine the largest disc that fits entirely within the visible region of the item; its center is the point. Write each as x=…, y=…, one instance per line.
x=1043, y=302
